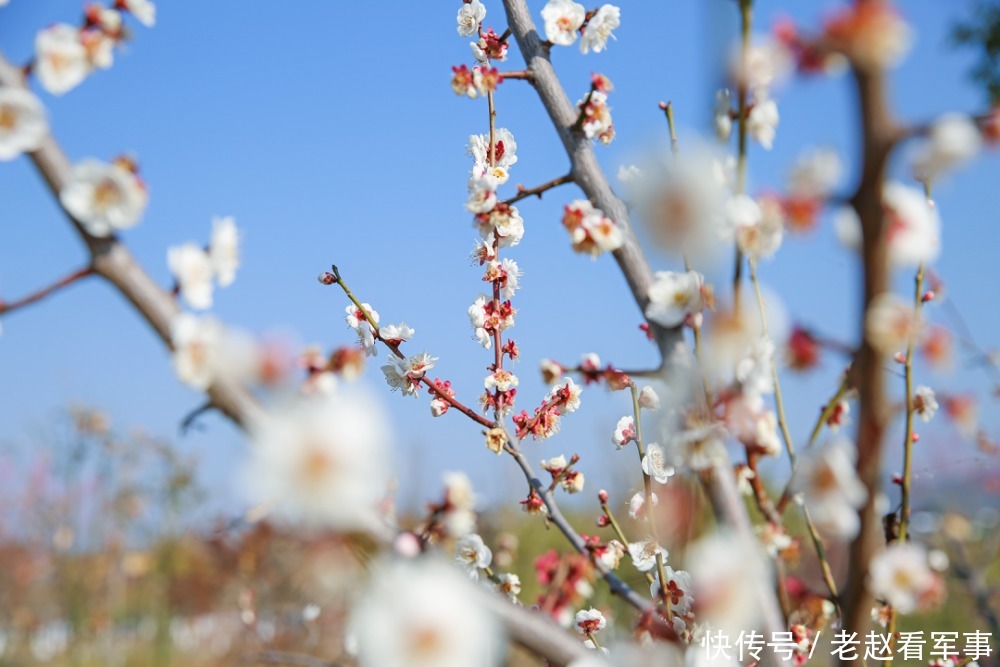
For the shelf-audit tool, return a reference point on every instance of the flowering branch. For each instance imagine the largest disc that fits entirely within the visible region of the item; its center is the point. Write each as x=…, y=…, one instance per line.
x=524, y=193
x=586, y=172
x=555, y=515
x=34, y=297
x=111, y=260
x=647, y=485
x=719, y=482
x=741, y=160
x=909, y=435
x=394, y=348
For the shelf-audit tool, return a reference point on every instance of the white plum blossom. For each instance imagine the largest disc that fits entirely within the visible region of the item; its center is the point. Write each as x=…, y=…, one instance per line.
x=611, y=555
x=699, y=446
x=624, y=432
x=482, y=194
x=197, y=349
x=143, y=10
x=563, y=19
x=406, y=374
x=484, y=321
x=192, y=268
x=422, y=613
x=509, y=584
x=572, y=403
x=366, y=333
x=889, y=323
x=654, y=463
x=762, y=122
x=756, y=235
x=925, y=403
x=551, y=371
x=23, y=125
x=506, y=154
x=597, y=115
x=504, y=223
x=678, y=581
x=901, y=576
x=599, y=28
x=100, y=47
x=224, y=250
x=873, y=36
x=648, y=399
x=762, y=238
x=913, y=226
x=320, y=462
x=638, y=501
x=725, y=577
x=591, y=231
x=753, y=372
x=473, y=555
x=470, y=16
x=460, y=517
x=815, y=174
x=61, y=61
x=830, y=487
x=396, y=332
x=102, y=197
x=644, y=554
x=681, y=200
x=767, y=63
x=507, y=273
x=773, y=538
x=953, y=139
x=753, y=424
x=675, y=296
x=555, y=465
x=500, y=380
x=589, y=621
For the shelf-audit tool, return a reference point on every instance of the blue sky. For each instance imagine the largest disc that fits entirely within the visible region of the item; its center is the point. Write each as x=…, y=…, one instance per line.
x=329, y=131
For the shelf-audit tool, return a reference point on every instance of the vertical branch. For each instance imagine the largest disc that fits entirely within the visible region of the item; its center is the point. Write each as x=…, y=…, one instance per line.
x=746, y=16
x=878, y=136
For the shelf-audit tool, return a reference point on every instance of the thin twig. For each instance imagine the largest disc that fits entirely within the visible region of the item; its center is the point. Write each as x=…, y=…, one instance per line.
x=524, y=193
x=11, y=306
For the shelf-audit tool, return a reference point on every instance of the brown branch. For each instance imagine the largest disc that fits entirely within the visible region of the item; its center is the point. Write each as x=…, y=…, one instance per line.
x=524, y=193
x=111, y=260
x=35, y=297
x=524, y=75
x=879, y=133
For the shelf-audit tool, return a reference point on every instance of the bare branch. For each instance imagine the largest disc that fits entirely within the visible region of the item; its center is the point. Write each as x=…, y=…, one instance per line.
x=10, y=306
x=879, y=133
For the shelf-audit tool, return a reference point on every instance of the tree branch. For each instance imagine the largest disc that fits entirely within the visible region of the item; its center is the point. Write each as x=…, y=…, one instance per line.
x=10, y=306
x=879, y=134
x=634, y=266
x=584, y=167
x=111, y=260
